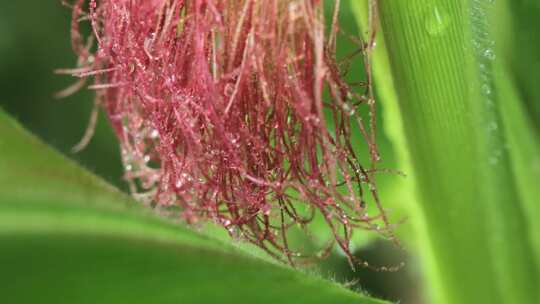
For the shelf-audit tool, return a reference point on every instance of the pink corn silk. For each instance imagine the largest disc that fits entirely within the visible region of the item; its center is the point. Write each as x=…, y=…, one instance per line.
x=218, y=106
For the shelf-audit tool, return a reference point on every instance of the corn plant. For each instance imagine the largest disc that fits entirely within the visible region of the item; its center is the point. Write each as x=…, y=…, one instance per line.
x=250, y=156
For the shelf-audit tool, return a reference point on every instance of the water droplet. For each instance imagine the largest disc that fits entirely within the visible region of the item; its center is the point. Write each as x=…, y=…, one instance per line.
x=228, y=90
x=493, y=126
x=486, y=89
x=184, y=177
x=437, y=21
x=489, y=54
x=348, y=109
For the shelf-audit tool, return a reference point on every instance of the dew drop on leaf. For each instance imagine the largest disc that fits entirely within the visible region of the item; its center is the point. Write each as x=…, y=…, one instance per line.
x=437, y=21
x=489, y=54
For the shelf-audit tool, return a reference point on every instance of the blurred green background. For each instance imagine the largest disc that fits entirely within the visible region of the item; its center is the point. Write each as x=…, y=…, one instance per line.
x=34, y=41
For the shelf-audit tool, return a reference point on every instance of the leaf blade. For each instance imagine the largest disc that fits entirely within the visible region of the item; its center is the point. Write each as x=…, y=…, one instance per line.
x=68, y=237
x=440, y=57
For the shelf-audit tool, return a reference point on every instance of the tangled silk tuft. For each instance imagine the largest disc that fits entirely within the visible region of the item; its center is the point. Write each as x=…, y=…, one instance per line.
x=219, y=109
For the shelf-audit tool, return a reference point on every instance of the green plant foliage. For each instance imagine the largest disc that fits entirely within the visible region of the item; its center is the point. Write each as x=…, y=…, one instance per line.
x=524, y=68
x=68, y=237
x=456, y=83
x=517, y=102
x=443, y=66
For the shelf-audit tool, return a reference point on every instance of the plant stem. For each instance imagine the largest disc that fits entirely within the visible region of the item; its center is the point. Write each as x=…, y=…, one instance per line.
x=441, y=59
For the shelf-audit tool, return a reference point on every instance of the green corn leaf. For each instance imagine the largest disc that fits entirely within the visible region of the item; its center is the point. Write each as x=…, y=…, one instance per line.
x=463, y=132
x=524, y=67
x=515, y=100
x=68, y=237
